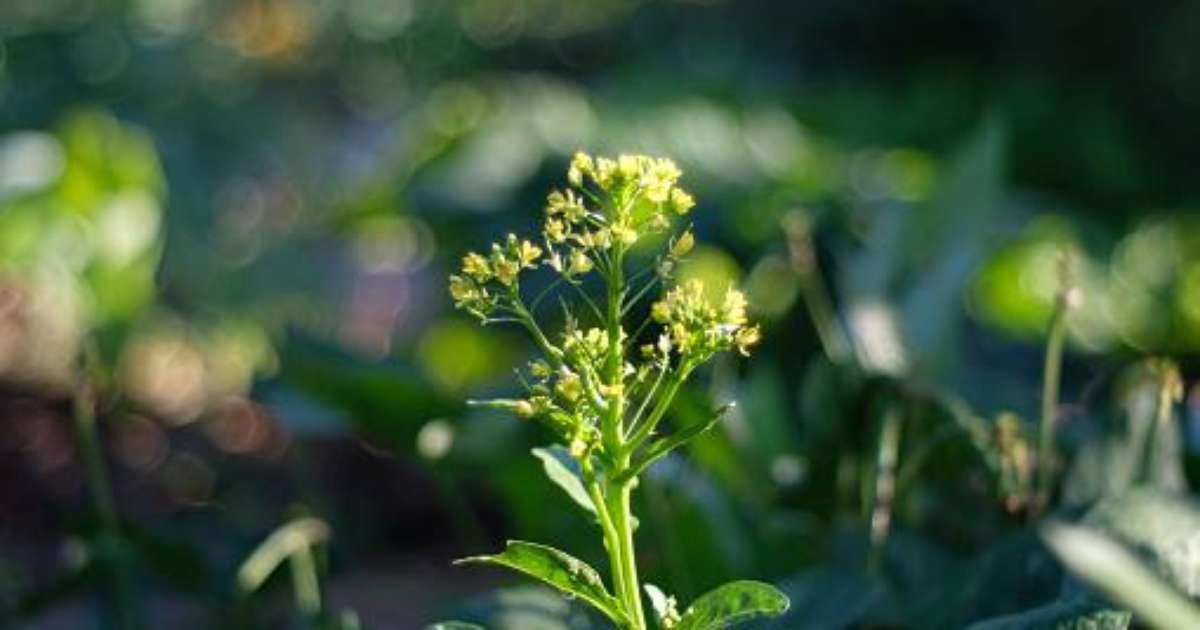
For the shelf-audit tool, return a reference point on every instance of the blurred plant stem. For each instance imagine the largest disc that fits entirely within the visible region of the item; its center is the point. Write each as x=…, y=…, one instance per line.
x=798, y=230
x=1051, y=378
x=294, y=542
x=109, y=545
x=1169, y=389
x=883, y=492
x=306, y=585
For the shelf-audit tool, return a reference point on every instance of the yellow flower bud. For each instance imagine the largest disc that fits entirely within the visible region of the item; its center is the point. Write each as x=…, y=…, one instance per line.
x=681, y=201
x=625, y=234
x=569, y=386
x=580, y=263
x=556, y=231
x=476, y=267
x=539, y=369
x=628, y=166
x=681, y=246
x=506, y=270
x=528, y=253
x=745, y=338
x=581, y=165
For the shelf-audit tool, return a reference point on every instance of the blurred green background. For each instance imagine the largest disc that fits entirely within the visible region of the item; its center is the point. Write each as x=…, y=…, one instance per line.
x=237, y=217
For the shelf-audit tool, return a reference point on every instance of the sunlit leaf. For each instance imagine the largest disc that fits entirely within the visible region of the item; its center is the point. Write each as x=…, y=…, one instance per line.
x=560, y=469
x=733, y=603
x=1115, y=571
x=558, y=569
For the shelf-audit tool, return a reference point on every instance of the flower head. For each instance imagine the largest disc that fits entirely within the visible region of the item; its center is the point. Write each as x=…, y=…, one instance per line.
x=697, y=327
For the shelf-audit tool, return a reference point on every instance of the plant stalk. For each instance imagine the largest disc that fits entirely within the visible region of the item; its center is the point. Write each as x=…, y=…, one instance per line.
x=306, y=585
x=622, y=520
x=1051, y=377
x=884, y=490
x=110, y=543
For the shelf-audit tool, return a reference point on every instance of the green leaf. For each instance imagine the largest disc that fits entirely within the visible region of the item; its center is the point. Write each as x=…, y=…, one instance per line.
x=561, y=470
x=733, y=603
x=455, y=625
x=1108, y=566
x=558, y=569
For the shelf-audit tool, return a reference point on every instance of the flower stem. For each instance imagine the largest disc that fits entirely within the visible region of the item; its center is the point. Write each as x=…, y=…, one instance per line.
x=1051, y=376
x=110, y=545
x=622, y=520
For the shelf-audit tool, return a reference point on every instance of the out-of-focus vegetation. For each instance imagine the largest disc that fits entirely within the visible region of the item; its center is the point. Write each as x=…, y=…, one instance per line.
x=224, y=228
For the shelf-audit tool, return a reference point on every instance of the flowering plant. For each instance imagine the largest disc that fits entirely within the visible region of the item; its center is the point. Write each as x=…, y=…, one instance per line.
x=601, y=389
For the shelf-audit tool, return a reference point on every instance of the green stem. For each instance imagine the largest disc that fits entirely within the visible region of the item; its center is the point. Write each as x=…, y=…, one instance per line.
x=1051, y=376
x=834, y=339
x=611, y=536
x=306, y=584
x=110, y=541
x=611, y=428
x=1160, y=423
x=622, y=517
x=884, y=490
x=641, y=432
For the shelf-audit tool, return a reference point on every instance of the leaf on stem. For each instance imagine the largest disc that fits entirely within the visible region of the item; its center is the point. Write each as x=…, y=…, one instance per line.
x=563, y=471
x=733, y=603
x=564, y=572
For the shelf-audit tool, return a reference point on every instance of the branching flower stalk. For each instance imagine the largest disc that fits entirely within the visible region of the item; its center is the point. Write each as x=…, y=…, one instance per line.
x=602, y=391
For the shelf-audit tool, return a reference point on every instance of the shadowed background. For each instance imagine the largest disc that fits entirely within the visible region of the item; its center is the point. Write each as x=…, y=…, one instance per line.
x=238, y=216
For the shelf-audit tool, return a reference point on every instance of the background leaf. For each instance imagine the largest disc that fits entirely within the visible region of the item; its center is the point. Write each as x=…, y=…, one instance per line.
x=1061, y=615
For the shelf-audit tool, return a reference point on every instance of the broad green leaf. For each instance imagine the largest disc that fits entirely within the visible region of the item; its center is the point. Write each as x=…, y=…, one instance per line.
x=1115, y=571
x=1161, y=528
x=558, y=465
x=558, y=569
x=733, y=603
x=455, y=625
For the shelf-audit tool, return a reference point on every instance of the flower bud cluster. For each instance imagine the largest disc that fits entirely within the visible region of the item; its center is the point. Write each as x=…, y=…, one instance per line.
x=485, y=280
x=630, y=196
x=585, y=381
x=697, y=328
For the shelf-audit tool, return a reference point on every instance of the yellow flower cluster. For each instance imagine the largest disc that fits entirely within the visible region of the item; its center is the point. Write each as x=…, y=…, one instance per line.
x=607, y=207
x=474, y=289
x=631, y=195
x=696, y=328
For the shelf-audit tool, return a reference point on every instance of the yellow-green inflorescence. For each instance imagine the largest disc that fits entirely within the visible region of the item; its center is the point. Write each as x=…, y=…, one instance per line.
x=608, y=206
x=601, y=387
